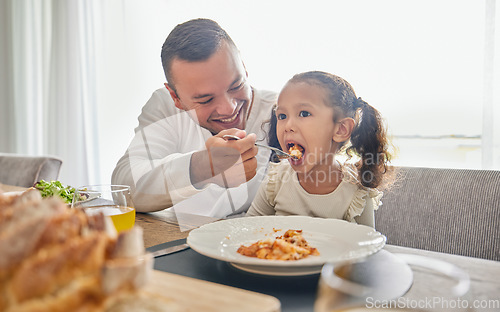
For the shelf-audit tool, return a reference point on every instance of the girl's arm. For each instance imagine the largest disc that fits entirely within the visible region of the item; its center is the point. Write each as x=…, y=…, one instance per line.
x=368, y=215
x=261, y=205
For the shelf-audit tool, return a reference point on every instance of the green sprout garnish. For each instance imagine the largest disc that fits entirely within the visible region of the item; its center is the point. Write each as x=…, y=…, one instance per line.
x=56, y=188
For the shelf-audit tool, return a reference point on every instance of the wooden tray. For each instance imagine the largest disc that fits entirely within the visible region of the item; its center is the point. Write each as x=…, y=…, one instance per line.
x=198, y=295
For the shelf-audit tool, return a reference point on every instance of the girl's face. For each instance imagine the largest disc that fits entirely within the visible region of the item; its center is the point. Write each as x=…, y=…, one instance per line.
x=305, y=119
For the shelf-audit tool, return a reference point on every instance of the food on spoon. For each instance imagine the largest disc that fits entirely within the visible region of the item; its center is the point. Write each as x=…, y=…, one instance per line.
x=56, y=188
x=54, y=258
x=296, y=151
x=291, y=246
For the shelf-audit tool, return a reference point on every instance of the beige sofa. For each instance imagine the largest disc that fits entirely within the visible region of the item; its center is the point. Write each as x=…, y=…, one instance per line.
x=446, y=210
x=23, y=170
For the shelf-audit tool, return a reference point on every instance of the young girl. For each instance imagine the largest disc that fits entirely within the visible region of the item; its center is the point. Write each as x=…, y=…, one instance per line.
x=319, y=115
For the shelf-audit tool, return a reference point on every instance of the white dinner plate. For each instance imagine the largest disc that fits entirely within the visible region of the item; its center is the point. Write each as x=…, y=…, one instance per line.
x=336, y=241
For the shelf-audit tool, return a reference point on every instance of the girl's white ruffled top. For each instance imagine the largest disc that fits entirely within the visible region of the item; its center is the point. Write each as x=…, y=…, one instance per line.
x=281, y=194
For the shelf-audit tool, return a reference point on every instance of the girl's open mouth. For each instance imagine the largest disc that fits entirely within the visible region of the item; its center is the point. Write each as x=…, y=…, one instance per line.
x=297, y=151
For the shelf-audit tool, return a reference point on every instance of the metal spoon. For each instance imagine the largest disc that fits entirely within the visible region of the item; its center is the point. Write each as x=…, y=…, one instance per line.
x=279, y=153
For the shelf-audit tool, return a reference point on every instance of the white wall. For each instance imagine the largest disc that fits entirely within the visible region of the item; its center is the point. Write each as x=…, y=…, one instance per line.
x=419, y=62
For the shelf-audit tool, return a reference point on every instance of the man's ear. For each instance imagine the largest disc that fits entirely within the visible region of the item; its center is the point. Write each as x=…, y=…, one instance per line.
x=174, y=96
x=343, y=129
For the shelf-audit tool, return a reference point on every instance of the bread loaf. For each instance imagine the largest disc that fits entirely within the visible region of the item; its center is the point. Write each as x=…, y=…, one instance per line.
x=54, y=258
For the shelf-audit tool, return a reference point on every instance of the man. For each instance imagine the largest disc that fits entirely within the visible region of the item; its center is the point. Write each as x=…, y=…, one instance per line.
x=178, y=157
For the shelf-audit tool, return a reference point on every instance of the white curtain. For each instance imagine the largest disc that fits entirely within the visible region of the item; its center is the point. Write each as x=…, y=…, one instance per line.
x=48, y=85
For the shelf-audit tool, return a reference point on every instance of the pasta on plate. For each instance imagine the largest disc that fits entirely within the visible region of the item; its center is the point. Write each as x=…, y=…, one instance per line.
x=291, y=246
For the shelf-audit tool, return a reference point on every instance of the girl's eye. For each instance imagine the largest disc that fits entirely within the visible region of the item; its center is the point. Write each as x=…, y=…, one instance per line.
x=281, y=116
x=304, y=114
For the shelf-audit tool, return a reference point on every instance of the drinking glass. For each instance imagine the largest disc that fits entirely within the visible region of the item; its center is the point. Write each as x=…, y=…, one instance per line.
x=348, y=285
x=113, y=201
x=378, y=282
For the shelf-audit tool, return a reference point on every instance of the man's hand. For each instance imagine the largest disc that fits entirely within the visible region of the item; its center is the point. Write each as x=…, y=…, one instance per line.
x=225, y=163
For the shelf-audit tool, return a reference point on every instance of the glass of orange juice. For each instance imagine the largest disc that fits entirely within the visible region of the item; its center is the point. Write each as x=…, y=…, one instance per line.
x=111, y=200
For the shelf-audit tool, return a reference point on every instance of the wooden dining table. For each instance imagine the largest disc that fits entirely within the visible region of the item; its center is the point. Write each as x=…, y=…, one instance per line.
x=484, y=293
x=216, y=293
x=11, y=188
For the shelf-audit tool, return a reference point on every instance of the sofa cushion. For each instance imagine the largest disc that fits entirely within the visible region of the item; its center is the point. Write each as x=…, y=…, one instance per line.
x=446, y=210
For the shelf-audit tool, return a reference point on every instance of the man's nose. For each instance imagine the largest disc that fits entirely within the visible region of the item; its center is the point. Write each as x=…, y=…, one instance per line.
x=227, y=106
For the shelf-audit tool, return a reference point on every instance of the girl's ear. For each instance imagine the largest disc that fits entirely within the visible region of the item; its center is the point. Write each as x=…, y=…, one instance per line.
x=343, y=129
x=174, y=96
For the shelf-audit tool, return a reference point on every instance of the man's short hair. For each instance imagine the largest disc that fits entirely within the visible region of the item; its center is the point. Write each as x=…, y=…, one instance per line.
x=194, y=40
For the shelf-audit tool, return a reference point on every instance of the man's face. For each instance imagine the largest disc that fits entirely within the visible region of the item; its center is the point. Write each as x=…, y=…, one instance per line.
x=215, y=89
